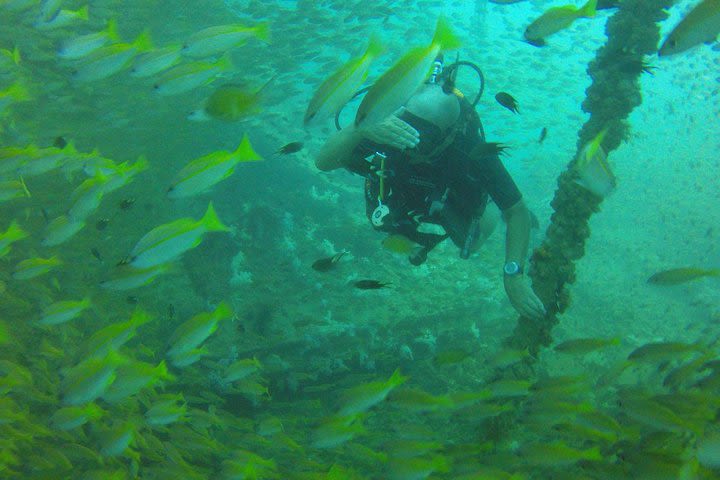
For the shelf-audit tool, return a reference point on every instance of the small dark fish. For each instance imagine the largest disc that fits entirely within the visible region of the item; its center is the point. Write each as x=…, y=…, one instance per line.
x=96, y=253
x=488, y=149
x=60, y=143
x=102, y=224
x=325, y=264
x=292, y=147
x=507, y=101
x=370, y=284
x=127, y=204
x=132, y=299
x=543, y=134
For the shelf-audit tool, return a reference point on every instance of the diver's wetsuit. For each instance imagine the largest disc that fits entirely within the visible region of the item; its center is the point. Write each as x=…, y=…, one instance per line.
x=450, y=191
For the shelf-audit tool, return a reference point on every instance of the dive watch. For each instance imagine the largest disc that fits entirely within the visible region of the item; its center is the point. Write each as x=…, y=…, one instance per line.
x=512, y=268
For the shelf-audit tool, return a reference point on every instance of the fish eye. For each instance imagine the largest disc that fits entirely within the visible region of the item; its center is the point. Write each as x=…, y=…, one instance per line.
x=156, y=86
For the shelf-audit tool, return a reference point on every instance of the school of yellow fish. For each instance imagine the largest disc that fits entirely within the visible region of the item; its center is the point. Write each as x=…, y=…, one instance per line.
x=93, y=388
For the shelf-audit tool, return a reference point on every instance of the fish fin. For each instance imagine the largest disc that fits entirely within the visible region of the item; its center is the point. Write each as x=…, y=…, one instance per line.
x=262, y=31
x=24, y=187
x=16, y=56
x=143, y=42
x=444, y=36
x=224, y=63
x=245, y=151
x=211, y=221
x=375, y=46
x=589, y=9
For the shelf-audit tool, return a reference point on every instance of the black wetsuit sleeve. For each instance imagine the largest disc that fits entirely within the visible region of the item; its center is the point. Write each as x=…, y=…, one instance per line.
x=362, y=150
x=498, y=182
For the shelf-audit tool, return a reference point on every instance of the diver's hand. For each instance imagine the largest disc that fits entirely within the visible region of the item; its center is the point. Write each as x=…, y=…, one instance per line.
x=392, y=132
x=522, y=297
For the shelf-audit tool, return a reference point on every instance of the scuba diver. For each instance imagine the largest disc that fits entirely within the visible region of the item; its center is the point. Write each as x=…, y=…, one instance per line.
x=429, y=176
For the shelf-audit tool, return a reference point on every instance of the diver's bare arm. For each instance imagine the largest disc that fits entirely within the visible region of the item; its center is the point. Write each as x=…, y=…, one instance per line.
x=517, y=237
x=338, y=150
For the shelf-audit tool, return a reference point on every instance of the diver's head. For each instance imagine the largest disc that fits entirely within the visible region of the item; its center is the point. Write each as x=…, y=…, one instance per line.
x=432, y=104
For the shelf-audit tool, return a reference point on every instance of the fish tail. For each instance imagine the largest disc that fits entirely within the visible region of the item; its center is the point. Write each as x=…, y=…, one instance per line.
x=588, y=10
x=245, y=151
x=143, y=42
x=262, y=31
x=375, y=46
x=224, y=310
x=444, y=36
x=397, y=378
x=84, y=13
x=111, y=30
x=211, y=221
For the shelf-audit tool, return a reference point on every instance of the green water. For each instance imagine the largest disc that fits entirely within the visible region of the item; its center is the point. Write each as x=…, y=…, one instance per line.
x=320, y=341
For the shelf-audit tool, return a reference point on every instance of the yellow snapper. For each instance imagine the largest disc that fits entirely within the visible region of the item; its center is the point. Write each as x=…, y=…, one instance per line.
x=124, y=173
x=363, y=397
x=217, y=40
x=77, y=47
x=61, y=229
x=87, y=197
x=581, y=346
x=557, y=454
x=556, y=19
x=187, y=76
x=166, y=409
x=335, y=431
x=230, y=103
x=204, y=172
x=63, y=18
x=398, y=84
x=241, y=369
x=63, y=311
x=17, y=92
x=116, y=440
x=127, y=278
x=168, y=241
x=13, y=234
x=154, y=61
x=701, y=25
x=110, y=60
x=337, y=89
x=676, y=276
x=593, y=169
x=70, y=418
x=44, y=160
x=116, y=334
x=12, y=189
x=133, y=377
x=34, y=267
x=196, y=330
x=185, y=359
x=90, y=379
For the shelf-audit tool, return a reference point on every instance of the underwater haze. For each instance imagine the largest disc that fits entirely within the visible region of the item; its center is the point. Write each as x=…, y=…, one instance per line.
x=185, y=295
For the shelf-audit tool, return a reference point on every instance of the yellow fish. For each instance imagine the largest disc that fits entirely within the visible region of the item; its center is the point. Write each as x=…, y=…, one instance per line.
x=13, y=234
x=187, y=76
x=231, y=103
x=677, y=276
x=169, y=241
x=398, y=84
x=193, y=332
x=701, y=25
x=593, y=169
x=34, y=267
x=363, y=397
x=217, y=40
x=204, y=172
x=337, y=89
x=556, y=19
